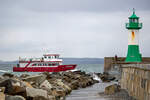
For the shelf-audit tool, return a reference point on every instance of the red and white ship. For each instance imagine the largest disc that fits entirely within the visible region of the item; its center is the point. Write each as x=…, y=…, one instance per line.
x=47, y=63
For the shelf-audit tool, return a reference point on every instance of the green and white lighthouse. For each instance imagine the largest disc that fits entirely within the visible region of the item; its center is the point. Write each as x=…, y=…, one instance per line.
x=133, y=27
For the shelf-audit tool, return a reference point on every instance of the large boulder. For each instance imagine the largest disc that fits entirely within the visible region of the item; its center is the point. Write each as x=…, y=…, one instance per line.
x=9, y=85
x=1, y=78
x=105, y=77
x=24, y=75
x=58, y=92
x=13, y=86
x=17, y=97
x=34, y=93
x=74, y=84
x=46, y=85
x=66, y=88
x=112, y=89
x=8, y=75
x=36, y=79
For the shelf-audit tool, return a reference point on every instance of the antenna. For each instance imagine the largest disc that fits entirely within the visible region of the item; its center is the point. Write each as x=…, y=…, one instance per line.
x=133, y=11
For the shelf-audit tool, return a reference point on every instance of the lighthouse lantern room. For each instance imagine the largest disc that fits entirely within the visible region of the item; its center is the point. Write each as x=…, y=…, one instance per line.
x=133, y=27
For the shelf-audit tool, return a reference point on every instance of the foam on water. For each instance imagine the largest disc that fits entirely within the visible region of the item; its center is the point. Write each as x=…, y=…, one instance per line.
x=4, y=71
x=95, y=77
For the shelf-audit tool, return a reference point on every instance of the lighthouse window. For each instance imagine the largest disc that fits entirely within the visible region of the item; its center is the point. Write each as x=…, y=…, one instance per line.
x=136, y=20
x=130, y=20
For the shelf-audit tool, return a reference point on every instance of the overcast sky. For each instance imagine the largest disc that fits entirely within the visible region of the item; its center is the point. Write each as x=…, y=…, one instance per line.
x=72, y=28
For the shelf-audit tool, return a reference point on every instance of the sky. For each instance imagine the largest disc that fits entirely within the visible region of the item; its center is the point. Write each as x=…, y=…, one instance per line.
x=71, y=28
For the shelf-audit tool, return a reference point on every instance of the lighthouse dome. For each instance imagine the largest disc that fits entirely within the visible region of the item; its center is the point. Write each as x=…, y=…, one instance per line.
x=133, y=16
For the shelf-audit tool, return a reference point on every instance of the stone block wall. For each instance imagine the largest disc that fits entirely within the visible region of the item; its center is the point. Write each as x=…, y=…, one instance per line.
x=136, y=80
x=109, y=62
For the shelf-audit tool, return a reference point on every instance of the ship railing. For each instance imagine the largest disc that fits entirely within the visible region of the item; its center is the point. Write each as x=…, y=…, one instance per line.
x=30, y=59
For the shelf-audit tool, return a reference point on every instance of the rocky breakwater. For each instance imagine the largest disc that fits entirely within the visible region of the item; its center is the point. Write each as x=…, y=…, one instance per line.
x=44, y=86
x=106, y=77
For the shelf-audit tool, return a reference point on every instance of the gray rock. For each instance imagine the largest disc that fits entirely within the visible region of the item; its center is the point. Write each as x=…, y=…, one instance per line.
x=32, y=92
x=8, y=97
x=1, y=78
x=8, y=75
x=14, y=86
x=38, y=79
x=105, y=77
x=24, y=75
x=46, y=85
x=112, y=89
x=8, y=84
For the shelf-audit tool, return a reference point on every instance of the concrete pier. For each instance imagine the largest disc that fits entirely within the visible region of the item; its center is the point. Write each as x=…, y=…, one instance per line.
x=136, y=80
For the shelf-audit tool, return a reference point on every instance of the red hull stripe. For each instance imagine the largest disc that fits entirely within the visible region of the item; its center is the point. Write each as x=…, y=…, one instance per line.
x=44, y=69
x=28, y=64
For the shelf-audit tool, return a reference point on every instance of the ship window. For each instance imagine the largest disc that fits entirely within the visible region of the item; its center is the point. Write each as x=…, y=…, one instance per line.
x=45, y=57
x=49, y=57
x=56, y=56
x=56, y=64
x=17, y=65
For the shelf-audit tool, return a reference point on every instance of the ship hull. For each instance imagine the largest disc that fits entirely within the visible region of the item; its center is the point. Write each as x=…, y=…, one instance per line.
x=44, y=69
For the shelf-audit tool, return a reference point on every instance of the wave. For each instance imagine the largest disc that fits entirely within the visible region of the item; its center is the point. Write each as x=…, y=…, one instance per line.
x=4, y=71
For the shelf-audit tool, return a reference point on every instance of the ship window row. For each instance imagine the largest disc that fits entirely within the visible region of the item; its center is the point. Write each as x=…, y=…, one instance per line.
x=53, y=64
x=51, y=57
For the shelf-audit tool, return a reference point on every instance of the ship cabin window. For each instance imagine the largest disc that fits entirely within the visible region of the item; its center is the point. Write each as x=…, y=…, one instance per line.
x=49, y=57
x=39, y=64
x=53, y=64
x=56, y=57
x=45, y=57
x=56, y=64
x=17, y=65
x=34, y=64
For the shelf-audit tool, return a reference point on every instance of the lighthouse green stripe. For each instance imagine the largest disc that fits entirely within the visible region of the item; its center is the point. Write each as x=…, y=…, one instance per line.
x=133, y=54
